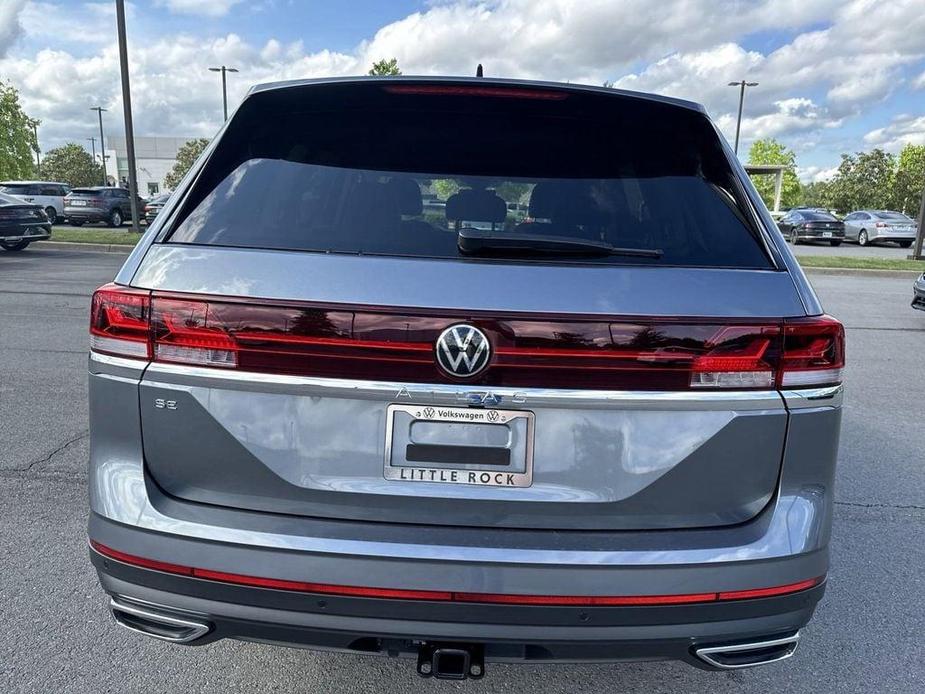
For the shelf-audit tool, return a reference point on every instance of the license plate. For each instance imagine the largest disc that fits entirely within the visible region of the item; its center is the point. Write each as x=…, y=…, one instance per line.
x=78, y=203
x=826, y=234
x=459, y=445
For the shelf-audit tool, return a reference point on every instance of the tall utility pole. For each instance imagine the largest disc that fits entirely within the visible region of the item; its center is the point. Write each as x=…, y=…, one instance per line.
x=35, y=131
x=742, y=84
x=223, y=70
x=127, y=114
x=92, y=141
x=99, y=110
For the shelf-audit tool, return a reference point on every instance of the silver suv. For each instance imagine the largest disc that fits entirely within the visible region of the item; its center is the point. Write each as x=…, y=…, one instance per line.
x=324, y=414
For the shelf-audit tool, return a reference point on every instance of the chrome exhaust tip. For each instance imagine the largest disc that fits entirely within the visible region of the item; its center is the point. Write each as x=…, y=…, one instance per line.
x=157, y=622
x=749, y=654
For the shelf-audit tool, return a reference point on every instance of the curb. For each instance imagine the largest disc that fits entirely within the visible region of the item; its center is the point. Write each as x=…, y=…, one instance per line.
x=860, y=272
x=96, y=247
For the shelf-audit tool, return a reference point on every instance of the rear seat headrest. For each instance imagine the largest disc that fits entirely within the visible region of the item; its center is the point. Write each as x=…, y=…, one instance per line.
x=407, y=195
x=476, y=206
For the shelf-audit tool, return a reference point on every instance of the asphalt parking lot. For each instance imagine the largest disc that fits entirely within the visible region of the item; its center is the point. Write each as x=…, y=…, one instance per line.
x=57, y=636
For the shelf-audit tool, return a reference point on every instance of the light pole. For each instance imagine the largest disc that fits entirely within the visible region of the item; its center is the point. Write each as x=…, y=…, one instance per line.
x=92, y=141
x=99, y=110
x=127, y=116
x=223, y=70
x=35, y=131
x=741, y=84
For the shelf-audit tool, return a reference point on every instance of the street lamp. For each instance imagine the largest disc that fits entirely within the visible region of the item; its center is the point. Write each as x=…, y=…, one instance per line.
x=99, y=110
x=741, y=84
x=92, y=141
x=223, y=70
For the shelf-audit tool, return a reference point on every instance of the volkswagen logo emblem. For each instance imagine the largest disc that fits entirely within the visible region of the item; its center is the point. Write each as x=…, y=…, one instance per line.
x=462, y=351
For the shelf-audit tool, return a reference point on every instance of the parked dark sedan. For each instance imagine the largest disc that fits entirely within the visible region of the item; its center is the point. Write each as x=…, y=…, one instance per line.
x=918, y=293
x=21, y=223
x=154, y=205
x=798, y=226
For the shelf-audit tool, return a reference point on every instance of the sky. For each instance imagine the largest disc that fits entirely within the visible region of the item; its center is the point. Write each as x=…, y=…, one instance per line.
x=834, y=75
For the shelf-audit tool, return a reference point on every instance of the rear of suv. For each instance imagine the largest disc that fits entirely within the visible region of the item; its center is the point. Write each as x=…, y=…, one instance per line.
x=112, y=206
x=322, y=416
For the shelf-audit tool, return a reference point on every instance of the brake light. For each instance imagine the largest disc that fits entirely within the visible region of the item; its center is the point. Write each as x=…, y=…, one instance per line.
x=881, y=225
x=489, y=91
x=814, y=352
x=120, y=321
x=567, y=352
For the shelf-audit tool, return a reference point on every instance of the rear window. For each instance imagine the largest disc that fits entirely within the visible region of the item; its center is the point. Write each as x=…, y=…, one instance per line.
x=819, y=217
x=361, y=169
x=896, y=216
x=84, y=192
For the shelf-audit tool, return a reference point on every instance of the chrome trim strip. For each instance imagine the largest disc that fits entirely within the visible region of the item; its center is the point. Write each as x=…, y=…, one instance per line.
x=805, y=398
x=120, y=362
x=197, y=629
x=394, y=391
x=705, y=653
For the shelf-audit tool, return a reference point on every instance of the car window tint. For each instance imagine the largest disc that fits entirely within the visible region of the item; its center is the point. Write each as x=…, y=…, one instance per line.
x=310, y=174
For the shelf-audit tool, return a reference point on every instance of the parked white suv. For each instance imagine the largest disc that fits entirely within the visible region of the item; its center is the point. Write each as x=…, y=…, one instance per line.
x=48, y=194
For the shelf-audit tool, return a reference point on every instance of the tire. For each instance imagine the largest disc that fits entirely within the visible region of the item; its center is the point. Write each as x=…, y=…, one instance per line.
x=905, y=243
x=835, y=242
x=115, y=218
x=52, y=214
x=794, y=238
x=18, y=246
x=862, y=237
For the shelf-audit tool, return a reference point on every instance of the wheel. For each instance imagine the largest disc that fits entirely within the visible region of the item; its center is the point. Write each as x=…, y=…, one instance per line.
x=835, y=242
x=862, y=238
x=905, y=243
x=18, y=246
x=75, y=223
x=794, y=237
x=115, y=218
x=52, y=214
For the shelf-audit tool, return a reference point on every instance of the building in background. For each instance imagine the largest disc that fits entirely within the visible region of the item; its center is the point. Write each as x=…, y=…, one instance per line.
x=154, y=158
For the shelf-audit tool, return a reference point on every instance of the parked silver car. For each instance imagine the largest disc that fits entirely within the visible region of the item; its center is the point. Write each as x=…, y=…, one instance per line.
x=918, y=293
x=874, y=226
x=321, y=417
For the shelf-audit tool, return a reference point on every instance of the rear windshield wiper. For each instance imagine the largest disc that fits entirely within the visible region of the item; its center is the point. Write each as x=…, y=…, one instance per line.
x=482, y=241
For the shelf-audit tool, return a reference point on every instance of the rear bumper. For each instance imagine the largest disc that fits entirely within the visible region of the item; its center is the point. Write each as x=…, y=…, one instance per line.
x=506, y=632
x=82, y=214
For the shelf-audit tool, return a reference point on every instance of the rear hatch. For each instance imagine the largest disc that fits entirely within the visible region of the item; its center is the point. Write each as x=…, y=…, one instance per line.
x=323, y=344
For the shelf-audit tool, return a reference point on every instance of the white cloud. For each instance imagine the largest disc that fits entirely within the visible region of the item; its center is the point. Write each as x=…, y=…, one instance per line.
x=815, y=174
x=10, y=25
x=919, y=82
x=809, y=87
x=903, y=129
x=202, y=8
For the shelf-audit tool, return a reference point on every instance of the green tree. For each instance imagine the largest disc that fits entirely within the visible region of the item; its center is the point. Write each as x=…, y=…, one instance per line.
x=770, y=151
x=444, y=187
x=17, y=137
x=864, y=180
x=909, y=180
x=385, y=68
x=186, y=157
x=71, y=164
x=817, y=194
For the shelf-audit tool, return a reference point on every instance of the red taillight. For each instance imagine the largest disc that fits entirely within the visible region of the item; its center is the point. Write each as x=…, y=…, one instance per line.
x=451, y=596
x=301, y=340
x=120, y=321
x=814, y=352
x=501, y=92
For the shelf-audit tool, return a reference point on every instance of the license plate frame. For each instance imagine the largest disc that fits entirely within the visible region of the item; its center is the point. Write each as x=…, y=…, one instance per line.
x=492, y=475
